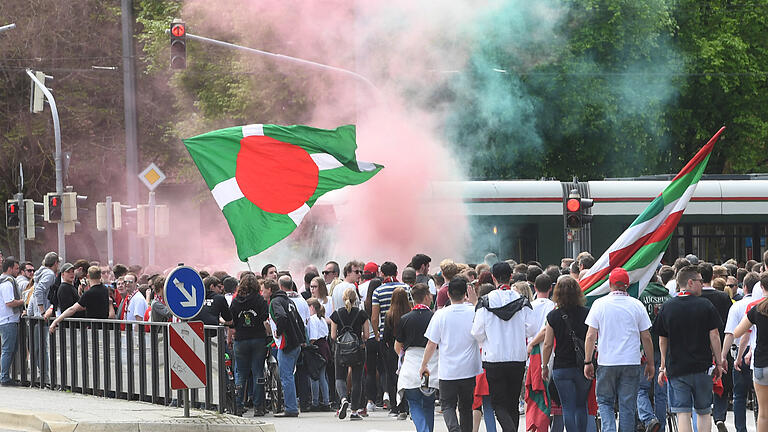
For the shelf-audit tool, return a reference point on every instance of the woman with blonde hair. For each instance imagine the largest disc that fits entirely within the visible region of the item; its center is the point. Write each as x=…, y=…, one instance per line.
x=319, y=290
x=349, y=328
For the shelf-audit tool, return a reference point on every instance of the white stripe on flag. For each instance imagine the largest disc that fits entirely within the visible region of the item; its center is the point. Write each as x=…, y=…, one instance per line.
x=365, y=166
x=298, y=215
x=253, y=130
x=325, y=161
x=226, y=192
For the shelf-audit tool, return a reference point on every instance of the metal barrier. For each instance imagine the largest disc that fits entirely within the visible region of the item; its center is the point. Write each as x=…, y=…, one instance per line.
x=98, y=357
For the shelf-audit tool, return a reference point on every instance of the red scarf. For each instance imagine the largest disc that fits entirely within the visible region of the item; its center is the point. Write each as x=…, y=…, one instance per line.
x=504, y=287
x=389, y=279
x=420, y=307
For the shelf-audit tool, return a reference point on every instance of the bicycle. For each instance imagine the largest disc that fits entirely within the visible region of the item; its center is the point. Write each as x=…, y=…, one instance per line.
x=273, y=387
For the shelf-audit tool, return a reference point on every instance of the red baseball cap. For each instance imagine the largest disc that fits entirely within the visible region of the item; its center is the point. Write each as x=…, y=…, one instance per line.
x=619, y=276
x=371, y=268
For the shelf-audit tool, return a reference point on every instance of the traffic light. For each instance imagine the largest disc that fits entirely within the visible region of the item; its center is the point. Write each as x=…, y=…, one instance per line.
x=162, y=220
x=142, y=220
x=69, y=207
x=178, y=45
x=576, y=210
x=38, y=98
x=12, y=217
x=101, y=216
x=32, y=218
x=53, y=205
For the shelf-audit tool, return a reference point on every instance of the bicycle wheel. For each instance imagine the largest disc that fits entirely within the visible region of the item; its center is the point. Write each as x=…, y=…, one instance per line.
x=275, y=389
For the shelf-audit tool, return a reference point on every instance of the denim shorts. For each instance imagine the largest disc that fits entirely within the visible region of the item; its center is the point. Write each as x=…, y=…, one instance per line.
x=760, y=376
x=691, y=391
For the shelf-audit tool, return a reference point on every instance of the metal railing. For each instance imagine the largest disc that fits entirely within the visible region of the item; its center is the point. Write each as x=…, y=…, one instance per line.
x=115, y=358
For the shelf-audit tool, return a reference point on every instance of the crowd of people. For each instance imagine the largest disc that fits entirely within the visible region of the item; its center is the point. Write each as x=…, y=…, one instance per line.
x=488, y=341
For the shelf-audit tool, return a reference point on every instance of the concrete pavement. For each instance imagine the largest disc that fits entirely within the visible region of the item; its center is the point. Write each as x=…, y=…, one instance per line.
x=27, y=409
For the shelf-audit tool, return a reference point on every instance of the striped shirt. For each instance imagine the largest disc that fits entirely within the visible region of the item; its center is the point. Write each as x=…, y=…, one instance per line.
x=382, y=296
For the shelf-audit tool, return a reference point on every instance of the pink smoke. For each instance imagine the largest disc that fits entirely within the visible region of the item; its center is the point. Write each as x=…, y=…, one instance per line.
x=396, y=44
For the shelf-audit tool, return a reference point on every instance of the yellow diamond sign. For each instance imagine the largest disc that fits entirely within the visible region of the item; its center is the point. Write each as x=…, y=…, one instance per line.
x=151, y=176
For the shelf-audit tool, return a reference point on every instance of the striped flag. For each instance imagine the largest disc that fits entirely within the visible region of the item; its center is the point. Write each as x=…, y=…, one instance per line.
x=266, y=177
x=639, y=249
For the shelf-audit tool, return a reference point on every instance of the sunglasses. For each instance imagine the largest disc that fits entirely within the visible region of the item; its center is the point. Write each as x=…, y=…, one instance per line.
x=357, y=271
x=325, y=272
x=29, y=270
x=730, y=285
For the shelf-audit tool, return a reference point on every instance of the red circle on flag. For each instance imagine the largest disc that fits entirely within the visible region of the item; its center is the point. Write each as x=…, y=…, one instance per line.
x=275, y=176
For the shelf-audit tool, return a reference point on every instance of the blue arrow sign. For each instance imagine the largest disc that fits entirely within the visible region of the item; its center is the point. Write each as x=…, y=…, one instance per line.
x=184, y=292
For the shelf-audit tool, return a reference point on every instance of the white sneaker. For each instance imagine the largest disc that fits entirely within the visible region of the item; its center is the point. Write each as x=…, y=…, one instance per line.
x=370, y=407
x=343, y=409
x=522, y=407
x=385, y=399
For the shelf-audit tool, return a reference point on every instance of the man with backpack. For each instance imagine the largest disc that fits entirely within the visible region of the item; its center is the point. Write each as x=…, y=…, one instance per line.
x=289, y=333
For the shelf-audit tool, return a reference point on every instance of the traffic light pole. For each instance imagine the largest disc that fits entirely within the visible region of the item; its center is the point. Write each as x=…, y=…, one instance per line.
x=110, y=244
x=22, y=226
x=57, y=139
x=131, y=134
x=281, y=57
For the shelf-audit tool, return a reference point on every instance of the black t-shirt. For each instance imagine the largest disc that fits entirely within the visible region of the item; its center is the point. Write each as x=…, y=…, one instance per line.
x=413, y=325
x=686, y=321
x=249, y=314
x=565, y=353
x=343, y=318
x=67, y=297
x=761, y=347
x=722, y=303
x=96, y=302
x=213, y=306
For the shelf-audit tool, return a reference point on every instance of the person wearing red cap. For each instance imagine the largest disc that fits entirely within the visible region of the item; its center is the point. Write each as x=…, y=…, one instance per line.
x=622, y=324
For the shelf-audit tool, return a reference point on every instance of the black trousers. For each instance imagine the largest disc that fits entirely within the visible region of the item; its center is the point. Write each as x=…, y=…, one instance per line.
x=457, y=392
x=504, y=382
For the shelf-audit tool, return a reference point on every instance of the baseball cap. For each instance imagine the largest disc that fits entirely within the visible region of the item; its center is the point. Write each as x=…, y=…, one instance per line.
x=619, y=276
x=371, y=268
x=693, y=259
x=66, y=267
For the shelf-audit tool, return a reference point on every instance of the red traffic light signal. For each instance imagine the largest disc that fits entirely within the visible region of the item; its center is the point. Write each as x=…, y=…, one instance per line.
x=178, y=30
x=573, y=205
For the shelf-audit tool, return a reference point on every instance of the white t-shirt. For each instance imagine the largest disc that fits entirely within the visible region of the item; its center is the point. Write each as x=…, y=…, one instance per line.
x=137, y=306
x=317, y=328
x=672, y=287
x=619, y=319
x=7, y=315
x=451, y=329
x=328, y=305
x=338, y=294
x=541, y=307
x=735, y=314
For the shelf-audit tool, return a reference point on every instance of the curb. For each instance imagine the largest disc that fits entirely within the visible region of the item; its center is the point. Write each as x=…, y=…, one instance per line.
x=46, y=422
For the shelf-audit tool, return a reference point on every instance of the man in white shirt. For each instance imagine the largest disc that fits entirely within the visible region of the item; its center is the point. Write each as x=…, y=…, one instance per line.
x=10, y=311
x=459, y=363
x=742, y=377
x=137, y=305
x=503, y=321
x=622, y=324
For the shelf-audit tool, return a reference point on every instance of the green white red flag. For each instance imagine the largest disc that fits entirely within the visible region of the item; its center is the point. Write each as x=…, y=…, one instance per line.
x=640, y=248
x=265, y=178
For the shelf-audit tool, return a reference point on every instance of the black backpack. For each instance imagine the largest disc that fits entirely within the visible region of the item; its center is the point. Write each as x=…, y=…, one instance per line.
x=349, y=345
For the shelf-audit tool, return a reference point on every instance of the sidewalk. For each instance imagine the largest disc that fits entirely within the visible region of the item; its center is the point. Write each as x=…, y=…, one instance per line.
x=28, y=409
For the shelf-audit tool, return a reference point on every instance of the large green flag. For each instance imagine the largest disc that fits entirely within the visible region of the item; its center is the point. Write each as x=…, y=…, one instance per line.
x=265, y=177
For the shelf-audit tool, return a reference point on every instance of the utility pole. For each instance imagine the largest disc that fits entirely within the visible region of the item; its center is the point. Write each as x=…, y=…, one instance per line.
x=22, y=216
x=57, y=156
x=131, y=135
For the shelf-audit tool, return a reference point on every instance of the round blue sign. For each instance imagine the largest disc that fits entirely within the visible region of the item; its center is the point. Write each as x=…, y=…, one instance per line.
x=184, y=292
